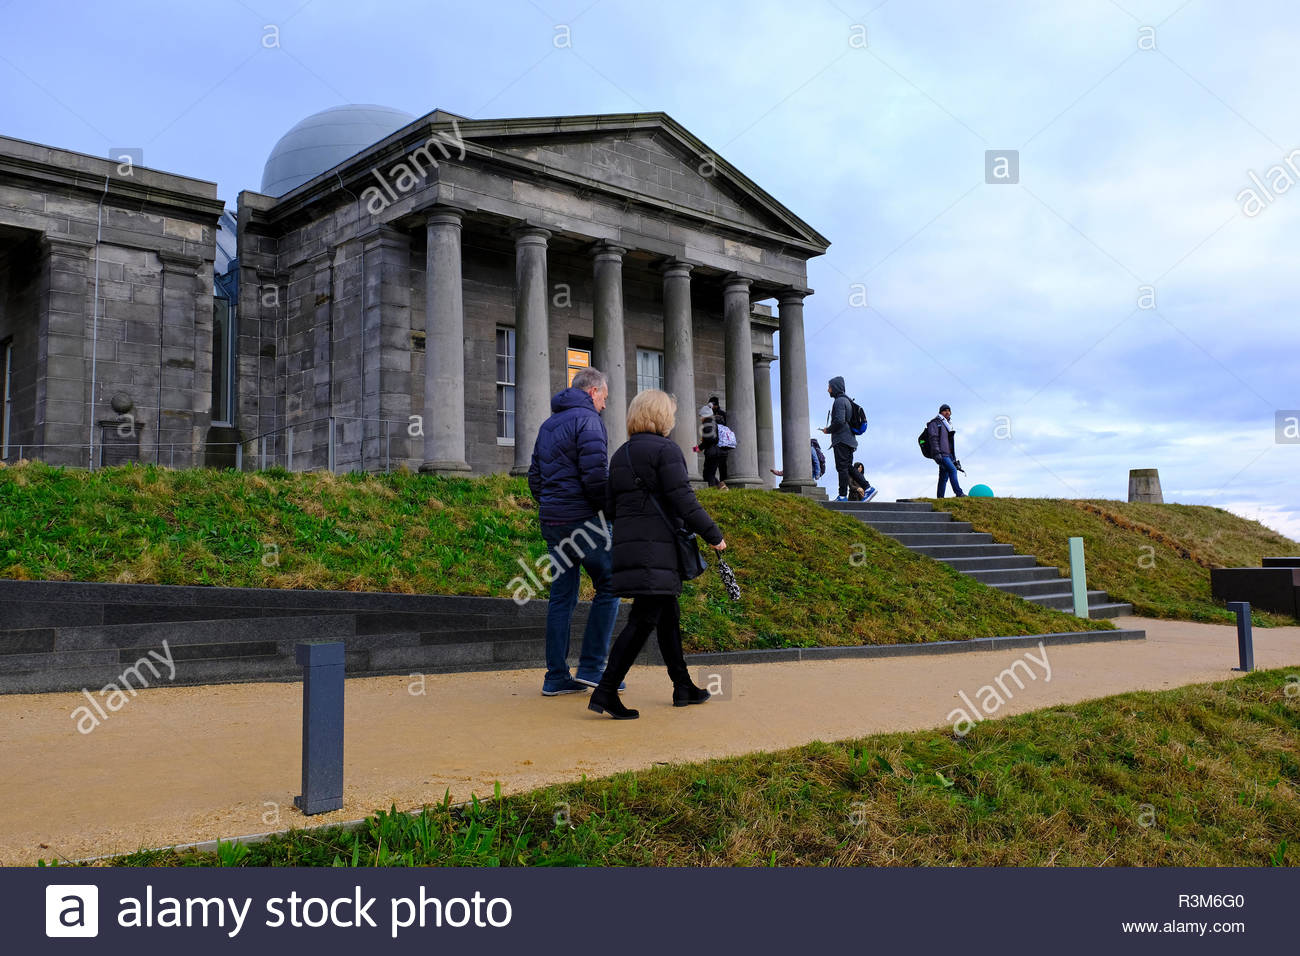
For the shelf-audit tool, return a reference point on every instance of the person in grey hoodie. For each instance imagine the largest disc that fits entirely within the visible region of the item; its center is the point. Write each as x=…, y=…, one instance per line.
x=843, y=441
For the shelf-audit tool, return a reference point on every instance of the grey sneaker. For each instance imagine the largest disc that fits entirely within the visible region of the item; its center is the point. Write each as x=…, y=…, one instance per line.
x=566, y=686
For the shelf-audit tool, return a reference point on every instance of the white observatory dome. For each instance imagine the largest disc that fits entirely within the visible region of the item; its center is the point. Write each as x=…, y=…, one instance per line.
x=325, y=139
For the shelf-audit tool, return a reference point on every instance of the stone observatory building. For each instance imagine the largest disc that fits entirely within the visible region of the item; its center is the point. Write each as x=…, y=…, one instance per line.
x=409, y=292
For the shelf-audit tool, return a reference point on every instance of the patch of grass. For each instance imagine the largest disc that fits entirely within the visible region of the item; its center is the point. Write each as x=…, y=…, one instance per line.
x=809, y=576
x=1205, y=775
x=1156, y=557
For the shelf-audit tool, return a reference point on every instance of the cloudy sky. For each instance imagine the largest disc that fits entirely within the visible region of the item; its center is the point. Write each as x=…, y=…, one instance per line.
x=1123, y=305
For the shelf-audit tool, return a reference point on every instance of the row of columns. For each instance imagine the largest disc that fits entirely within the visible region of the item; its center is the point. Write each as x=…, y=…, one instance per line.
x=748, y=388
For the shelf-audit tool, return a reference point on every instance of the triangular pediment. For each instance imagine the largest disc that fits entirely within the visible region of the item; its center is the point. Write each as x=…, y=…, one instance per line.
x=649, y=155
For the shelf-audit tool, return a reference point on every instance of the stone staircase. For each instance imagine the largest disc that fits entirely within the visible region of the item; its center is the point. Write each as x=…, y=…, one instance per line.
x=935, y=534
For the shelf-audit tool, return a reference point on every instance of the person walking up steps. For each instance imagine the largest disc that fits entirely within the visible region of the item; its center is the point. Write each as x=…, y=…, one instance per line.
x=843, y=442
x=943, y=439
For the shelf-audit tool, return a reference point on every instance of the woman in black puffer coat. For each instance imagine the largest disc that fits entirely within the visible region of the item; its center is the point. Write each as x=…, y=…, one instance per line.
x=650, y=467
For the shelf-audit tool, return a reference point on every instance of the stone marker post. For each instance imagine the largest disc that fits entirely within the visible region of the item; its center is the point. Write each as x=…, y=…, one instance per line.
x=322, y=727
x=1078, y=578
x=1245, y=639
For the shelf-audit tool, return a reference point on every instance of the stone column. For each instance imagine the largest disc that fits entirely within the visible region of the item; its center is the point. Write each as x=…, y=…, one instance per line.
x=608, y=352
x=64, y=388
x=532, y=329
x=763, y=418
x=679, y=360
x=742, y=463
x=444, y=347
x=796, y=458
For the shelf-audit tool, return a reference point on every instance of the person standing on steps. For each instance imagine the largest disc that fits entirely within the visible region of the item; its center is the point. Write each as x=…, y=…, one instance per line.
x=843, y=441
x=569, y=478
x=649, y=501
x=715, y=455
x=943, y=439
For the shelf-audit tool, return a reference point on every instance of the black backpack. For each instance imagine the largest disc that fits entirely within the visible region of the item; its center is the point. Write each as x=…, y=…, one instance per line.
x=923, y=440
x=857, y=418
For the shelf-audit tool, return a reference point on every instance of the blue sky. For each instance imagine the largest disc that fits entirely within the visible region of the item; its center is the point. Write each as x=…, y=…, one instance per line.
x=1138, y=125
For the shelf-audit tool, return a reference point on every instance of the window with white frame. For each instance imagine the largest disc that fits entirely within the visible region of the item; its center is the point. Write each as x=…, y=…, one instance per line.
x=505, y=385
x=649, y=369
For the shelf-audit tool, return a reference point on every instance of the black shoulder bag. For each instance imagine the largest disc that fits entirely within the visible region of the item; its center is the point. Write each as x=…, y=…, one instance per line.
x=689, y=562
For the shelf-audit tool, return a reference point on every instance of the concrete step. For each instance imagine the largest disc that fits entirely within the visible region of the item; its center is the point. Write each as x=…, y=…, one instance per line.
x=1027, y=589
x=900, y=528
x=905, y=517
x=1004, y=563
x=942, y=552
x=881, y=506
x=931, y=538
x=999, y=577
x=1060, y=600
x=1111, y=609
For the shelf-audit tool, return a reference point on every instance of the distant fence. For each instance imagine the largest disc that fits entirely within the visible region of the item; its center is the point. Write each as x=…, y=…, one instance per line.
x=334, y=443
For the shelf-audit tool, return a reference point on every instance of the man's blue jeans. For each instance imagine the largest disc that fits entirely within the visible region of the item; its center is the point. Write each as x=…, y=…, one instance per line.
x=573, y=547
x=947, y=473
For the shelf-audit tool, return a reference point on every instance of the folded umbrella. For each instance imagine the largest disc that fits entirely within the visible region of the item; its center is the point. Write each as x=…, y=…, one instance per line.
x=728, y=579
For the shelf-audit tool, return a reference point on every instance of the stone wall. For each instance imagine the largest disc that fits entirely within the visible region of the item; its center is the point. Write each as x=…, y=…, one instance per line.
x=145, y=342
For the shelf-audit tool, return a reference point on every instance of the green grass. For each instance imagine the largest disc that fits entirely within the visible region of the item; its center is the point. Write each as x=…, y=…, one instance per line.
x=1156, y=557
x=1205, y=775
x=809, y=576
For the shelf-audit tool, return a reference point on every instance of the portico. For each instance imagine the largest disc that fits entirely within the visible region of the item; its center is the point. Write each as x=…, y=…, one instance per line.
x=530, y=249
x=424, y=322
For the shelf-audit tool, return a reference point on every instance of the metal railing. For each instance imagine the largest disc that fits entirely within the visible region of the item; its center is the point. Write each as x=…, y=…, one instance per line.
x=278, y=447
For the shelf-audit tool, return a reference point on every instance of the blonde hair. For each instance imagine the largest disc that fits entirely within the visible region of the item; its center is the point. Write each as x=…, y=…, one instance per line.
x=651, y=411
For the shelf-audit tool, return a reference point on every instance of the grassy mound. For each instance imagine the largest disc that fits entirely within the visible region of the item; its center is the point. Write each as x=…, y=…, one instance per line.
x=809, y=576
x=1204, y=775
x=1156, y=557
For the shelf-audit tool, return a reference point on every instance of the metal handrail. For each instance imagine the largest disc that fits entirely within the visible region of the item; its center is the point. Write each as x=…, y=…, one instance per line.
x=257, y=444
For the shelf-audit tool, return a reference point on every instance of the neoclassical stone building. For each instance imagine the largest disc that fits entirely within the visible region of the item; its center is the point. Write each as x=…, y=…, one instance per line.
x=413, y=291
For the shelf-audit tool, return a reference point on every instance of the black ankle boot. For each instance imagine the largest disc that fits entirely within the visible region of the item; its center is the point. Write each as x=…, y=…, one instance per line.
x=688, y=693
x=607, y=702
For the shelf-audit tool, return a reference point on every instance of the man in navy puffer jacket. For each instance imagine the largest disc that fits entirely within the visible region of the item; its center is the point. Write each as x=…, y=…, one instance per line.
x=568, y=477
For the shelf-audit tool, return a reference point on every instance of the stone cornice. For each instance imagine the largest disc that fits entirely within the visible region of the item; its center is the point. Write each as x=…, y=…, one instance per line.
x=31, y=166
x=356, y=173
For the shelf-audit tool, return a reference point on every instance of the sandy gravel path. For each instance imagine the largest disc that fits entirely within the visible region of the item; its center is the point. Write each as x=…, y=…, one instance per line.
x=180, y=765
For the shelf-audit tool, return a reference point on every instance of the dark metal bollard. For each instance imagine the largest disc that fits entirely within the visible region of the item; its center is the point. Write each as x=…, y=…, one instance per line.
x=322, y=727
x=1245, y=643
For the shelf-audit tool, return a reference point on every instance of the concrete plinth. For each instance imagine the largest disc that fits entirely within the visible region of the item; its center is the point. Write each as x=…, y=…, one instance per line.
x=1144, y=485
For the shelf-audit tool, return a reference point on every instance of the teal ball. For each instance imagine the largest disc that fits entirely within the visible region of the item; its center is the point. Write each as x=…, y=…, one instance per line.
x=981, y=491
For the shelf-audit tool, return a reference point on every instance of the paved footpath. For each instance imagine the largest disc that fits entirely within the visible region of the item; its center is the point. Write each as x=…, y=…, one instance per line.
x=185, y=764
